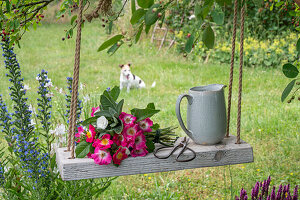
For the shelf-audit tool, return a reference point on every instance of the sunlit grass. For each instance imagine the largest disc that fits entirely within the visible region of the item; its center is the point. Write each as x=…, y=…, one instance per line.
x=271, y=127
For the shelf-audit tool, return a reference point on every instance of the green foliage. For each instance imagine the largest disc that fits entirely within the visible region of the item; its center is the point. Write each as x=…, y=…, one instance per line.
x=113, y=40
x=142, y=114
x=208, y=37
x=291, y=71
x=267, y=18
x=137, y=15
x=19, y=16
x=82, y=149
x=177, y=16
x=189, y=44
x=287, y=90
x=145, y=3
x=218, y=16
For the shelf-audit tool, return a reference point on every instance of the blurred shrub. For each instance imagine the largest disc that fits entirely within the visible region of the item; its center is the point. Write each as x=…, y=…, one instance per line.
x=266, y=53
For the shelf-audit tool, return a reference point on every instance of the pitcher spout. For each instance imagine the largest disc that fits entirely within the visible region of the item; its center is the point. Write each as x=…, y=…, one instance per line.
x=217, y=87
x=223, y=86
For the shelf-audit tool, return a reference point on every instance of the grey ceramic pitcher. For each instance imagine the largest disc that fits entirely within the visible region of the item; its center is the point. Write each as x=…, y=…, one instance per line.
x=206, y=114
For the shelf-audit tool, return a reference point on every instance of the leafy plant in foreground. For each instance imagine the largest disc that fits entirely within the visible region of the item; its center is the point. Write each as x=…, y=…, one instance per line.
x=27, y=164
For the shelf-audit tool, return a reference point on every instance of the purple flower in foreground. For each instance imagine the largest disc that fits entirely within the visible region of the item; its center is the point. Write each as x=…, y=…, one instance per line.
x=260, y=192
x=264, y=188
x=295, y=196
x=255, y=190
x=2, y=178
x=279, y=192
x=273, y=195
x=243, y=194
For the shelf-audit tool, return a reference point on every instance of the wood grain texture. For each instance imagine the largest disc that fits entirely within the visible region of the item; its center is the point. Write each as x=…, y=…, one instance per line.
x=224, y=153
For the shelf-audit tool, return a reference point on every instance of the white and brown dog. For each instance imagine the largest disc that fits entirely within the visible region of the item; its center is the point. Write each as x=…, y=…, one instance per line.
x=129, y=80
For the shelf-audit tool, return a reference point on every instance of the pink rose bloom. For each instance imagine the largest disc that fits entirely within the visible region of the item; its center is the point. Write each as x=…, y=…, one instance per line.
x=146, y=124
x=139, y=141
x=103, y=143
x=126, y=150
x=127, y=119
x=140, y=152
x=120, y=140
x=101, y=157
x=89, y=155
x=94, y=110
x=119, y=156
x=79, y=133
x=90, y=135
x=130, y=131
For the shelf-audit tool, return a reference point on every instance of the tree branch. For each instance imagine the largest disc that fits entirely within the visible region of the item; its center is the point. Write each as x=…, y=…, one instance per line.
x=118, y=15
x=35, y=12
x=31, y=4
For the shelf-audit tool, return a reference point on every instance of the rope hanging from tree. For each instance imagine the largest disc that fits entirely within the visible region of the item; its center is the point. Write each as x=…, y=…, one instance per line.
x=74, y=98
x=240, y=68
x=231, y=65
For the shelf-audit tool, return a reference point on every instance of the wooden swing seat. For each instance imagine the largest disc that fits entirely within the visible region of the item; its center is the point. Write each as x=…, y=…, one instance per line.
x=224, y=153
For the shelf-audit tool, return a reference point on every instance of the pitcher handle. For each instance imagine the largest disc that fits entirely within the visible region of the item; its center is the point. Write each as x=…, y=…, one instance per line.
x=178, y=114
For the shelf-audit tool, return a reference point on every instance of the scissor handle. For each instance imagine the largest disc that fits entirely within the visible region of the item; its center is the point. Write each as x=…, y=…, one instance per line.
x=164, y=157
x=181, y=152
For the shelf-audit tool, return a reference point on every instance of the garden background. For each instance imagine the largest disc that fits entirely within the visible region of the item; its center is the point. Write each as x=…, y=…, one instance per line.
x=270, y=126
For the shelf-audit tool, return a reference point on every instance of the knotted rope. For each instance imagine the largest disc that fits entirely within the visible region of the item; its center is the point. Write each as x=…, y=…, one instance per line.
x=240, y=69
x=74, y=98
x=104, y=7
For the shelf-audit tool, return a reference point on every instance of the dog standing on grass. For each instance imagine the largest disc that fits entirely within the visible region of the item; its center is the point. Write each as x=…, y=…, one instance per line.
x=129, y=80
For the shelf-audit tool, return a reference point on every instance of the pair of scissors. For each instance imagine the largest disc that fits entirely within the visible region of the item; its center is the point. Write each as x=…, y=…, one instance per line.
x=183, y=144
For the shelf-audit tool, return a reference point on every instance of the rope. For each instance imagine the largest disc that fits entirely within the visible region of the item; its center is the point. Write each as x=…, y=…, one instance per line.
x=104, y=6
x=232, y=65
x=241, y=73
x=74, y=99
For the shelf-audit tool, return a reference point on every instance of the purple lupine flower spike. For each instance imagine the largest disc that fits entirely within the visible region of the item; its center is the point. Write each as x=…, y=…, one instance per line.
x=237, y=198
x=263, y=188
x=269, y=198
x=278, y=196
x=288, y=196
x=246, y=197
x=255, y=191
x=284, y=191
x=269, y=181
x=273, y=193
x=295, y=196
x=288, y=187
x=252, y=193
x=242, y=193
x=267, y=188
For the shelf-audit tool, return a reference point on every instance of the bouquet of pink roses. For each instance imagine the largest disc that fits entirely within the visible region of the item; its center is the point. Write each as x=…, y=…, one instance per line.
x=110, y=135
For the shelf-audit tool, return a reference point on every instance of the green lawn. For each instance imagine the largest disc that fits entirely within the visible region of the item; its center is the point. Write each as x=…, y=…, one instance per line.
x=271, y=127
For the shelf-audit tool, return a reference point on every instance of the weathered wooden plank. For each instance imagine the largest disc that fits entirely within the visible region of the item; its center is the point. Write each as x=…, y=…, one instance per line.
x=225, y=153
